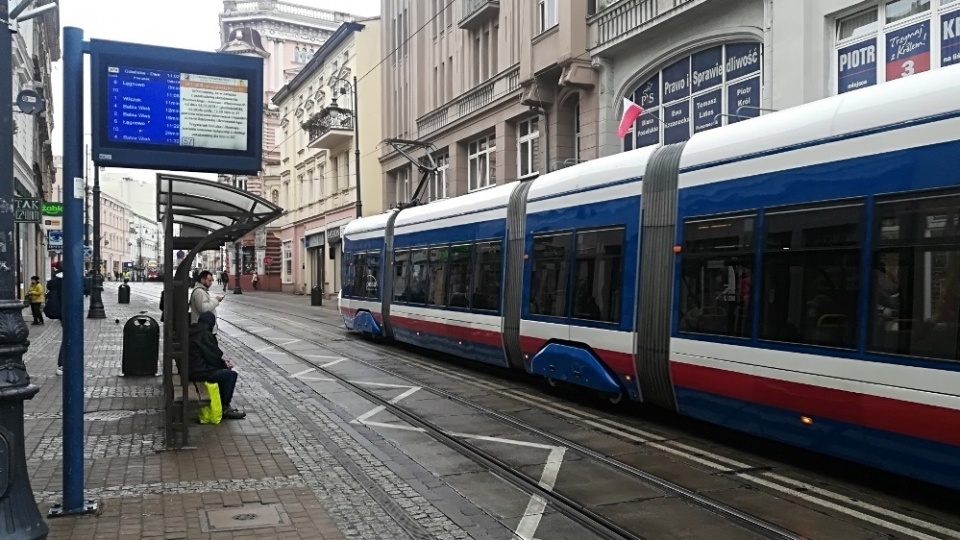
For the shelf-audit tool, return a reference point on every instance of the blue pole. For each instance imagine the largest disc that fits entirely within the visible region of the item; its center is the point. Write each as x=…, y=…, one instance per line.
x=72, y=305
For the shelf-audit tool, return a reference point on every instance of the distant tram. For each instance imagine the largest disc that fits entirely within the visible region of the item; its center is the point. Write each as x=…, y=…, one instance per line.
x=795, y=276
x=153, y=271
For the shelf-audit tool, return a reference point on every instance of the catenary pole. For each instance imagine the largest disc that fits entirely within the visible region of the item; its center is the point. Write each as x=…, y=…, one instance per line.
x=19, y=516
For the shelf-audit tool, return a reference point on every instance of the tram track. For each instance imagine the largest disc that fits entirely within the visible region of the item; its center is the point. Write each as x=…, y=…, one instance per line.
x=806, y=491
x=568, y=506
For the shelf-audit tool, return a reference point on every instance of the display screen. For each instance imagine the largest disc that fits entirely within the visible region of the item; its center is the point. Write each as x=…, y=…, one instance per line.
x=185, y=109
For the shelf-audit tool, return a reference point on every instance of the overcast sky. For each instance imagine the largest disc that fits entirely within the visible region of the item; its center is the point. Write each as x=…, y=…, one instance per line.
x=186, y=24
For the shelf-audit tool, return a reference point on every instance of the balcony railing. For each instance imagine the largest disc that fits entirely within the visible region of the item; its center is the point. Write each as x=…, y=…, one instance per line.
x=476, y=12
x=329, y=130
x=466, y=104
x=619, y=20
x=254, y=6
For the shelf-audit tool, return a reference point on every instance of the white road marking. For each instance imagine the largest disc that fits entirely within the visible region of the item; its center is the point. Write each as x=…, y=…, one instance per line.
x=328, y=364
x=302, y=373
x=531, y=518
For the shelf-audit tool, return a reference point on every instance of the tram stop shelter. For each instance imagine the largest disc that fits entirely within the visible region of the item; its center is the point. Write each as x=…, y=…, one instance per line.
x=197, y=215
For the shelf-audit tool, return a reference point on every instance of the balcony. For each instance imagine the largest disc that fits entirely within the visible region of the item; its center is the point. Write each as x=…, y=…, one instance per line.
x=617, y=21
x=503, y=84
x=329, y=129
x=477, y=12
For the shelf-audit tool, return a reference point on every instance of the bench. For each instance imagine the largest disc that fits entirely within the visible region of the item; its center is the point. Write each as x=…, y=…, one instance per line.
x=202, y=398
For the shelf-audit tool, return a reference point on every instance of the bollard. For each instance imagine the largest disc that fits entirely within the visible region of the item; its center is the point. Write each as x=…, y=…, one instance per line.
x=316, y=299
x=123, y=293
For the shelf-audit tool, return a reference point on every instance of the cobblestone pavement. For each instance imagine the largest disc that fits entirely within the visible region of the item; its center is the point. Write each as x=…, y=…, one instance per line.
x=273, y=475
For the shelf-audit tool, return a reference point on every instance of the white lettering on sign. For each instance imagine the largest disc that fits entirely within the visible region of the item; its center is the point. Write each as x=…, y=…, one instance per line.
x=738, y=62
x=902, y=46
x=863, y=56
x=700, y=76
x=951, y=27
x=671, y=87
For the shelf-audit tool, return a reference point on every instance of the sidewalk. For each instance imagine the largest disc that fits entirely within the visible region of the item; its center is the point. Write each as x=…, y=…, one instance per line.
x=241, y=481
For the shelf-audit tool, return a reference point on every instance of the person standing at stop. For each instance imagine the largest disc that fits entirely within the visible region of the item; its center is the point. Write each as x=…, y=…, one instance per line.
x=200, y=299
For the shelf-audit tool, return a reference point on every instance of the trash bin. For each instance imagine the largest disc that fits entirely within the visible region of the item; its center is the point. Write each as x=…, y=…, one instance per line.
x=141, y=346
x=123, y=294
x=315, y=297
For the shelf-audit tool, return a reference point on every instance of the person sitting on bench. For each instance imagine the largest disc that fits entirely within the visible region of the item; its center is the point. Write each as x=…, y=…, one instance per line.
x=207, y=363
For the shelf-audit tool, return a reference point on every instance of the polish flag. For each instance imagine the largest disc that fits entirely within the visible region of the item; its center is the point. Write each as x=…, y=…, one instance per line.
x=631, y=111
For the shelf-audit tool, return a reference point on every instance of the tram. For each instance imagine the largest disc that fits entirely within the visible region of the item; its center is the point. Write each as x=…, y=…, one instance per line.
x=795, y=276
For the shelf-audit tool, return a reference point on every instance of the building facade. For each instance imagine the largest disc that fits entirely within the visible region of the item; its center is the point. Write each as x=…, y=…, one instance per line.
x=317, y=184
x=699, y=64
x=35, y=47
x=144, y=242
x=494, y=91
x=286, y=35
x=114, y=236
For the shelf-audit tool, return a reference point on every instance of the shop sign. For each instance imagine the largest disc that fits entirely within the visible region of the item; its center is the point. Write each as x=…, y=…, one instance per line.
x=333, y=235
x=314, y=240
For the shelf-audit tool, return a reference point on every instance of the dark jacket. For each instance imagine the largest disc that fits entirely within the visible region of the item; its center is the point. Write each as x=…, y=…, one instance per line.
x=205, y=354
x=54, y=302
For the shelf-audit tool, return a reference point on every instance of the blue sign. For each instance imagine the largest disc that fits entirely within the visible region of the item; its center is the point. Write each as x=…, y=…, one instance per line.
x=743, y=94
x=705, y=110
x=742, y=59
x=55, y=240
x=908, y=51
x=87, y=253
x=857, y=66
x=648, y=129
x=648, y=93
x=676, y=120
x=174, y=109
x=950, y=38
x=676, y=80
x=707, y=68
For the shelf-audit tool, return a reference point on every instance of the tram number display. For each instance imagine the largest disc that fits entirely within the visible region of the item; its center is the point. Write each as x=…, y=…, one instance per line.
x=908, y=51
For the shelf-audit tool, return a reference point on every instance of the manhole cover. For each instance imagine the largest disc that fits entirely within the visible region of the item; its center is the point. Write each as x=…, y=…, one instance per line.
x=249, y=516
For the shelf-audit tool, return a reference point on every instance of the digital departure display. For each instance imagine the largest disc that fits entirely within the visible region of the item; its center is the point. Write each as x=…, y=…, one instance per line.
x=162, y=107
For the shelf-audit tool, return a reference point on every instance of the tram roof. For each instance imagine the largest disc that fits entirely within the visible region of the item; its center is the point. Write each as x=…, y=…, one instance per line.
x=201, y=207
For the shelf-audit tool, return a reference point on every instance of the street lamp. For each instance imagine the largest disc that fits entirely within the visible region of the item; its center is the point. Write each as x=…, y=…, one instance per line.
x=338, y=114
x=96, y=310
x=236, y=278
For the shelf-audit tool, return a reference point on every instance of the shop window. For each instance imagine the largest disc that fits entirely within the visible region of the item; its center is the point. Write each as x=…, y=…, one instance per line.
x=458, y=284
x=550, y=275
x=896, y=39
x=715, y=86
x=811, y=276
x=598, y=275
x=717, y=276
x=487, y=277
x=915, y=280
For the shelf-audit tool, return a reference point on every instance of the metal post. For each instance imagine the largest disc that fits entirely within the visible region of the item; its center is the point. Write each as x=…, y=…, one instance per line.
x=236, y=278
x=356, y=146
x=18, y=262
x=72, y=302
x=19, y=515
x=86, y=200
x=96, y=310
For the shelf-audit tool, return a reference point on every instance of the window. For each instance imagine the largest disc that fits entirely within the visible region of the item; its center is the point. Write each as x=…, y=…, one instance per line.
x=481, y=163
x=576, y=129
x=550, y=274
x=716, y=276
x=811, y=276
x=528, y=148
x=438, y=181
x=487, y=277
x=404, y=192
x=915, y=280
x=288, y=262
x=438, y=275
x=896, y=39
x=458, y=284
x=368, y=280
x=688, y=95
x=598, y=275
x=321, y=178
x=546, y=14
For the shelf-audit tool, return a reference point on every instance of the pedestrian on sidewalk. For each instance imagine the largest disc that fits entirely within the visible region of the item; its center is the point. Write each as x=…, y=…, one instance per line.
x=54, y=304
x=226, y=280
x=255, y=280
x=207, y=363
x=201, y=301
x=35, y=295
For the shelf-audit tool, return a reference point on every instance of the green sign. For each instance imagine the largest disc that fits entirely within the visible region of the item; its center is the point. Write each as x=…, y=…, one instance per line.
x=53, y=209
x=26, y=210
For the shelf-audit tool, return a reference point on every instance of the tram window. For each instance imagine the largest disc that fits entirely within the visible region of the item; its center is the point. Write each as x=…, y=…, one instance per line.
x=598, y=275
x=458, y=285
x=417, y=284
x=349, y=272
x=486, y=277
x=915, y=279
x=811, y=276
x=401, y=276
x=371, y=278
x=359, y=271
x=439, y=257
x=717, y=276
x=548, y=282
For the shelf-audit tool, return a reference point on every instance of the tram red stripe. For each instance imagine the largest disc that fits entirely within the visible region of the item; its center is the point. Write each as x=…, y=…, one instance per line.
x=893, y=415
x=476, y=335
